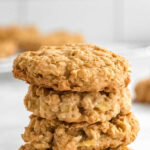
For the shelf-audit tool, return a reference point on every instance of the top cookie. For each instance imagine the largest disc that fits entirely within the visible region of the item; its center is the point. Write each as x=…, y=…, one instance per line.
x=76, y=67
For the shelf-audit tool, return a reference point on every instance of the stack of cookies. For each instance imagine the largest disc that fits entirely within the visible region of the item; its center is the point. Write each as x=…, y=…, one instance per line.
x=79, y=98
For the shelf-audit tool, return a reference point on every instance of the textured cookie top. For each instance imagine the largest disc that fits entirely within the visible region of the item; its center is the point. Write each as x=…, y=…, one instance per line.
x=76, y=67
x=44, y=134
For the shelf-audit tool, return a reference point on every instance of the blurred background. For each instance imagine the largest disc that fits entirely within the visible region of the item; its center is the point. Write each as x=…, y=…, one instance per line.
x=122, y=26
x=98, y=20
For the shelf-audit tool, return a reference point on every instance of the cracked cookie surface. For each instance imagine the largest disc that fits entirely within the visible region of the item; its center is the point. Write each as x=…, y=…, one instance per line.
x=43, y=134
x=70, y=107
x=75, y=67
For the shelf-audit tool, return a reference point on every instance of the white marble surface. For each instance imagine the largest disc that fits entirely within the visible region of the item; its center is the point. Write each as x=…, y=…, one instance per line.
x=14, y=116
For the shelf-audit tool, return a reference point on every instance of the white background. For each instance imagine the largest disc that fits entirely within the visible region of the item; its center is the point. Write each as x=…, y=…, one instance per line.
x=98, y=20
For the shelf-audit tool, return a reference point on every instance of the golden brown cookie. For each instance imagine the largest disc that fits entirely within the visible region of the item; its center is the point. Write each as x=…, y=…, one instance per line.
x=29, y=38
x=69, y=106
x=142, y=91
x=8, y=32
x=7, y=48
x=30, y=147
x=44, y=134
x=61, y=38
x=30, y=42
x=3, y=34
x=76, y=67
x=34, y=40
x=26, y=37
x=15, y=31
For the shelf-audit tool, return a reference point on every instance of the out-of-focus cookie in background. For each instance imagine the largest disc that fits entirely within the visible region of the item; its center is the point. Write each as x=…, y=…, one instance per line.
x=7, y=48
x=142, y=91
x=26, y=38
x=34, y=41
x=19, y=35
x=62, y=37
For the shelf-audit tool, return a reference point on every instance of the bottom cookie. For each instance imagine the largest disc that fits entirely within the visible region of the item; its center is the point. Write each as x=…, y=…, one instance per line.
x=30, y=147
x=44, y=135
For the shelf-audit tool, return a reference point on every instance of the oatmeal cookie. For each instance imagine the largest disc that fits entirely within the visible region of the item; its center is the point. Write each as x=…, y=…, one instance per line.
x=30, y=42
x=29, y=38
x=76, y=67
x=33, y=41
x=9, y=32
x=7, y=48
x=3, y=34
x=62, y=37
x=30, y=147
x=142, y=91
x=26, y=37
x=45, y=134
x=69, y=106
